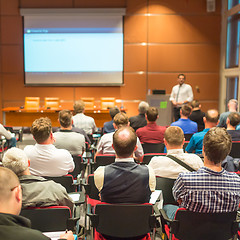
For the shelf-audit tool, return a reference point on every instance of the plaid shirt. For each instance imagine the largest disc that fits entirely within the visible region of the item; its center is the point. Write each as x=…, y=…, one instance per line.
x=208, y=191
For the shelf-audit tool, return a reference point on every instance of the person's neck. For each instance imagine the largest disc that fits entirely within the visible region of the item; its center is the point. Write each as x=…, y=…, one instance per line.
x=26, y=172
x=212, y=166
x=172, y=147
x=232, y=109
x=195, y=109
x=230, y=127
x=47, y=142
x=184, y=117
x=151, y=122
x=210, y=125
x=68, y=128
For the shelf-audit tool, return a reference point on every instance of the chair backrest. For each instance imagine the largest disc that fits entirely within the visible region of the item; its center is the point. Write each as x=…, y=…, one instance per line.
x=32, y=103
x=153, y=147
x=107, y=102
x=79, y=166
x=166, y=185
x=104, y=160
x=91, y=189
x=188, y=136
x=148, y=156
x=124, y=220
x=89, y=103
x=51, y=103
x=66, y=181
x=198, y=226
x=235, y=151
x=48, y=219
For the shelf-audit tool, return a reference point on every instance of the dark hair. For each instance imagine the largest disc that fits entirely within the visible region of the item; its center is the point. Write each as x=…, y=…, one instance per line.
x=186, y=110
x=181, y=74
x=234, y=119
x=217, y=144
x=65, y=118
x=41, y=129
x=124, y=141
x=212, y=115
x=152, y=114
x=113, y=111
x=195, y=103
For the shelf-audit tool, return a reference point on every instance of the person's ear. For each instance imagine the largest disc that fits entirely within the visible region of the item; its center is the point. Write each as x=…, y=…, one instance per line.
x=115, y=126
x=18, y=193
x=204, y=119
x=28, y=163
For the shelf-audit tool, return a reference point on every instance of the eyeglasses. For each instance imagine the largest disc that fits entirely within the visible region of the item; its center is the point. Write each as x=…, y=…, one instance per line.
x=12, y=189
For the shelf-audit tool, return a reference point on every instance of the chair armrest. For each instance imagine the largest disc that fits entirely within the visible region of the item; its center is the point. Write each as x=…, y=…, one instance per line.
x=164, y=216
x=71, y=223
x=94, y=219
x=81, y=199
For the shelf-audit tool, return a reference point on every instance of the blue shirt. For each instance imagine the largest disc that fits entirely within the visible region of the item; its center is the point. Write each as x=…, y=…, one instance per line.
x=186, y=125
x=196, y=142
x=208, y=191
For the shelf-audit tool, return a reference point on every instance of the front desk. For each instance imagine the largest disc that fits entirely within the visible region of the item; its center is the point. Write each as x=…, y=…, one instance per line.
x=15, y=116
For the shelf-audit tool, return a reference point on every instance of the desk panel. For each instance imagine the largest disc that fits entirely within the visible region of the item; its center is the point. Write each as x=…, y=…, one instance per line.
x=25, y=118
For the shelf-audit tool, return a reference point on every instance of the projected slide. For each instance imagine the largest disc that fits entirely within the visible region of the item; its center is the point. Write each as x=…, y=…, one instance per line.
x=73, y=50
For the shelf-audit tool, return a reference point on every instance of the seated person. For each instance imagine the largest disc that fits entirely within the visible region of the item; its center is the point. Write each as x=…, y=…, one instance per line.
x=197, y=115
x=233, y=120
x=13, y=226
x=164, y=166
x=152, y=133
x=11, y=141
x=66, y=138
x=37, y=191
x=210, y=120
x=80, y=120
x=139, y=120
x=125, y=181
x=211, y=189
x=105, y=144
x=46, y=159
x=108, y=126
x=184, y=122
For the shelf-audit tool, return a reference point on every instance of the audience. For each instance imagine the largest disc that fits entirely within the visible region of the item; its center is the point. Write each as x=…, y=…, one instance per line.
x=37, y=191
x=80, y=120
x=232, y=107
x=125, y=181
x=211, y=189
x=233, y=120
x=210, y=120
x=46, y=159
x=197, y=115
x=139, y=120
x=66, y=138
x=108, y=126
x=13, y=226
x=152, y=133
x=164, y=166
x=184, y=122
x=105, y=144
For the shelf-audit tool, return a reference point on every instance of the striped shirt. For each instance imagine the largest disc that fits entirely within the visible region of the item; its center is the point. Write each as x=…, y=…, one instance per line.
x=208, y=191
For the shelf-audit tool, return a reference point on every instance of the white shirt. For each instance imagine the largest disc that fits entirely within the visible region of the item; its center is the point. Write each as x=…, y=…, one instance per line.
x=47, y=160
x=71, y=141
x=166, y=167
x=105, y=145
x=85, y=122
x=99, y=175
x=185, y=93
x=5, y=132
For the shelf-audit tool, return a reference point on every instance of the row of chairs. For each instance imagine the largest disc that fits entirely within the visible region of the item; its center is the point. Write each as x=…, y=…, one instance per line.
x=33, y=103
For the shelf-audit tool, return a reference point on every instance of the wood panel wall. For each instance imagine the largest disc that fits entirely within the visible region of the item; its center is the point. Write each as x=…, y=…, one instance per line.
x=161, y=39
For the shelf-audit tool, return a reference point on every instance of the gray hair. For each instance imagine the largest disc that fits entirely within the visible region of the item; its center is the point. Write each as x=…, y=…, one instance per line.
x=16, y=160
x=143, y=107
x=233, y=102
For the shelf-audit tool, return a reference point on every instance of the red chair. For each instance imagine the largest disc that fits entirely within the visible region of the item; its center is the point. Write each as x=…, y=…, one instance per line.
x=50, y=219
x=123, y=221
x=189, y=225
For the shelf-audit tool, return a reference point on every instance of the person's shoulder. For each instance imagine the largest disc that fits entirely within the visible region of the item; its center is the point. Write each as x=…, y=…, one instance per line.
x=29, y=147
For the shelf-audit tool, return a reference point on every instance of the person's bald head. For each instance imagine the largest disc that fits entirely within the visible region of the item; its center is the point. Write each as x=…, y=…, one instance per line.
x=211, y=118
x=10, y=192
x=124, y=142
